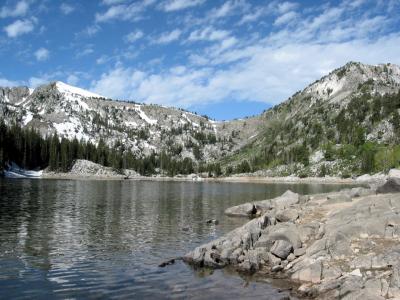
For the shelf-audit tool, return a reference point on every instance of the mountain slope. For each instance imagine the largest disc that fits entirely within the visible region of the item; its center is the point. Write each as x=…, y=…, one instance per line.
x=72, y=112
x=327, y=127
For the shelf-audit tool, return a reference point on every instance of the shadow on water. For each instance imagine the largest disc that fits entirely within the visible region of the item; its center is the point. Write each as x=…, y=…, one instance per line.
x=96, y=239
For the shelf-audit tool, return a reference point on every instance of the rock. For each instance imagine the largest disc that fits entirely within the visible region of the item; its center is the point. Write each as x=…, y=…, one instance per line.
x=277, y=268
x=243, y=210
x=356, y=272
x=282, y=231
x=316, y=247
x=311, y=273
x=360, y=192
x=308, y=231
x=392, y=185
x=273, y=260
x=287, y=215
x=166, y=263
x=299, y=252
x=281, y=249
x=330, y=273
x=286, y=200
x=338, y=198
x=212, y=221
x=291, y=257
x=394, y=173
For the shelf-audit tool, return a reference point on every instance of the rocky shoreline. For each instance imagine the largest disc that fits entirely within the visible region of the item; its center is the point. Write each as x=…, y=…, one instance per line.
x=342, y=245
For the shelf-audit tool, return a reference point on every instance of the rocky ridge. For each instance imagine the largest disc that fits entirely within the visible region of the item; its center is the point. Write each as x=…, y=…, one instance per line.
x=72, y=112
x=342, y=245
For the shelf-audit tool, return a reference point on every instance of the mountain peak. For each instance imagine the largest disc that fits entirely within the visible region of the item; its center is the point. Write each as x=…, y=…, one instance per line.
x=69, y=89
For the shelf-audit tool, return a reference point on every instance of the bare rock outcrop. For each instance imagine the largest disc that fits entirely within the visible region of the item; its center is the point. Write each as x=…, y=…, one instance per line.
x=335, y=246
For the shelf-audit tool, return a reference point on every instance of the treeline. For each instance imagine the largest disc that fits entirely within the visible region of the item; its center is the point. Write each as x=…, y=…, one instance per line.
x=27, y=148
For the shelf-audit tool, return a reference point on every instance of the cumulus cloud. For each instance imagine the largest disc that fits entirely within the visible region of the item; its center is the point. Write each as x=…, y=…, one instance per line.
x=20, y=9
x=19, y=27
x=267, y=75
x=42, y=54
x=175, y=5
x=307, y=45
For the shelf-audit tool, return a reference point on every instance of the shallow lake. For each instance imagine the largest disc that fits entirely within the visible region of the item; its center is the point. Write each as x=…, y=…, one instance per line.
x=104, y=239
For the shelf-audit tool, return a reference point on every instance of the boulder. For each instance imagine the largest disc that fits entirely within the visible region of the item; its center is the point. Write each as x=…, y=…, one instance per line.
x=392, y=185
x=243, y=210
x=282, y=249
x=287, y=215
x=282, y=231
x=286, y=200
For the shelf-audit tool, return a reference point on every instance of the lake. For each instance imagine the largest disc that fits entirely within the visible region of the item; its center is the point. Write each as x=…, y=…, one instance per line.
x=105, y=239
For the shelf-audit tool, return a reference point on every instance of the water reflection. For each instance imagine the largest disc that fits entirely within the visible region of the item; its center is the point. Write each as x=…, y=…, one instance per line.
x=98, y=239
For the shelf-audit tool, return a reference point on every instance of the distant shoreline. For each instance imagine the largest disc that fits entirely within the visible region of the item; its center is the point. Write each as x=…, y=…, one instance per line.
x=231, y=179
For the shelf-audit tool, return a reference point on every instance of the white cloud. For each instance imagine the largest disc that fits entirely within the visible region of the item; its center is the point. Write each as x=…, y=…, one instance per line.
x=42, y=54
x=91, y=30
x=20, y=9
x=175, y=5
x=9, y=83
x=19, y=27
x=36, y=81
x=66, y=8
x=86, y=50
x=168, y=37
x=134, y=36
x=208, y=34
x=72, y=79
x=124, y=12
x=264, y=73
x=285, y=18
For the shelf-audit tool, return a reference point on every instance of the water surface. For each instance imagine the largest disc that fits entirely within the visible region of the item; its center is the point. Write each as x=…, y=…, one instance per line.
x=105, y=239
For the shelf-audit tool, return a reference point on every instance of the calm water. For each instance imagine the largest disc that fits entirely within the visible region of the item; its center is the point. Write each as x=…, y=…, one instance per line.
x=105, y=239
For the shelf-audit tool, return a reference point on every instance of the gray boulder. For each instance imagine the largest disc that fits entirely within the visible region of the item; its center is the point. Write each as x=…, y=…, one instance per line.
x=243, y=210
x=282, y=249
x=392, y=185
x=287, y=215
x=286, y=200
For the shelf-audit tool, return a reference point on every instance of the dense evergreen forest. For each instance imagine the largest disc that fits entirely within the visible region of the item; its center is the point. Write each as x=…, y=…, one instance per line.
x=27, y=148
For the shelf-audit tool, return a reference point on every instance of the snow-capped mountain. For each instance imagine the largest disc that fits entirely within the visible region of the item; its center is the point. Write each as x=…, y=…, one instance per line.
x=72, y=112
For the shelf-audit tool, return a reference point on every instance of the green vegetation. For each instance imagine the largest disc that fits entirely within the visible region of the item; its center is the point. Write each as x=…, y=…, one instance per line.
x=340, y=132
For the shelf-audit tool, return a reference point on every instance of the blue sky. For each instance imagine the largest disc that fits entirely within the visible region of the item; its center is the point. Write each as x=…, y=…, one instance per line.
x=223, y=58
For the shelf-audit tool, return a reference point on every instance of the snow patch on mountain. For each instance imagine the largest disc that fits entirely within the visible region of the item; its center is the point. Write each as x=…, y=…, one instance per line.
x=71, y=129
x=72, y=90
x=27, y=118
x=143, y=115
